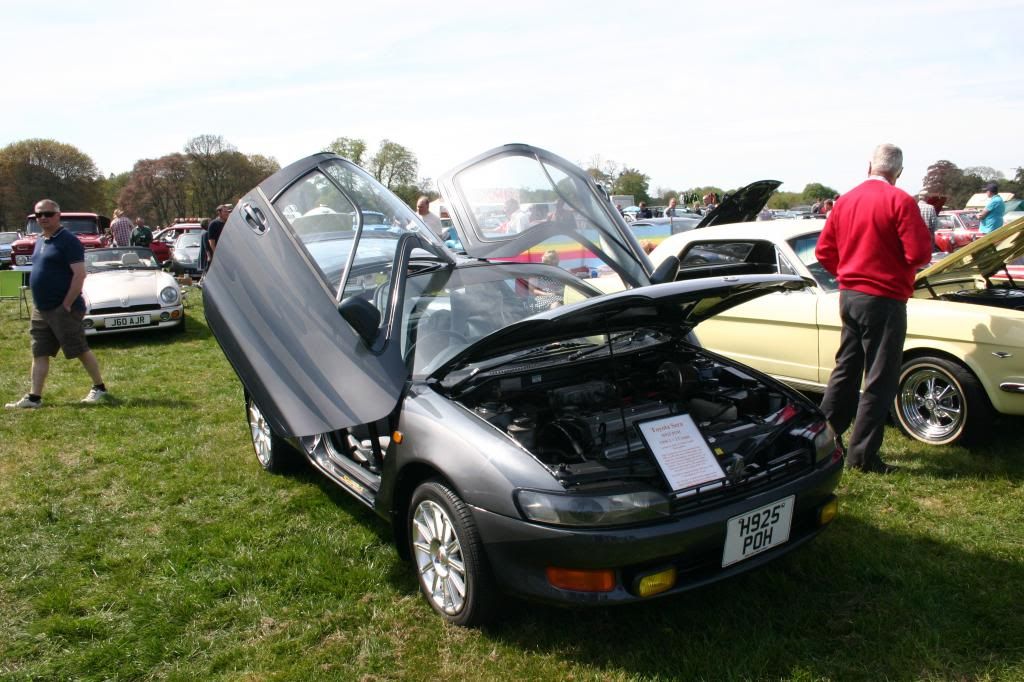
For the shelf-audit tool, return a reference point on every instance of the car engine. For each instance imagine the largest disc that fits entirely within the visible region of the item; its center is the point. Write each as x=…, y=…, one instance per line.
x=579, y=418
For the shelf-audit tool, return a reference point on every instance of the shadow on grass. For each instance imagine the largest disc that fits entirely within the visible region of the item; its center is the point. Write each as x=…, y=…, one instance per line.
x=857, y=603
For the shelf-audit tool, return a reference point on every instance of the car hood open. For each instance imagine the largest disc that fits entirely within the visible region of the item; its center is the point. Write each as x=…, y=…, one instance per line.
x=678, y=305
x=743, y=205
x=984, y=257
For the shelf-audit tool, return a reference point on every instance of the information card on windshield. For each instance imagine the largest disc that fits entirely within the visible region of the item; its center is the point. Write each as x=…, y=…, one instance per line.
x=682, y=453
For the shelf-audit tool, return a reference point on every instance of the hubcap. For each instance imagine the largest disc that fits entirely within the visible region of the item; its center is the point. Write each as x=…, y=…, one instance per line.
x=260, y=431
x=931, y=405
x=438, y=555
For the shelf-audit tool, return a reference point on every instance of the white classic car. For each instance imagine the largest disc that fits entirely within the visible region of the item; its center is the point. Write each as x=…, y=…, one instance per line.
x=125, y=290
x=964, y=352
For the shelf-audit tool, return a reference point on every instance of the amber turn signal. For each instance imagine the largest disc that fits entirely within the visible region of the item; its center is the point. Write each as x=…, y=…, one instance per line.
x=828, y=511
x=397, y=436
x=581, y=580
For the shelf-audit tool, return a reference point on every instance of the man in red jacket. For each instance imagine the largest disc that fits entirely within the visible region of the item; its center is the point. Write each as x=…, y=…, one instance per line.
x=874, y=241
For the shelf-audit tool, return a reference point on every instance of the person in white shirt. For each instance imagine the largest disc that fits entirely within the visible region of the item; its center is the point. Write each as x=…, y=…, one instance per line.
x=423, y=211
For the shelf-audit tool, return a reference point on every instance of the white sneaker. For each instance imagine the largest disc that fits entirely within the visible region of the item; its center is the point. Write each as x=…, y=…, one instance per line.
x=24, y=403
x=95, y=396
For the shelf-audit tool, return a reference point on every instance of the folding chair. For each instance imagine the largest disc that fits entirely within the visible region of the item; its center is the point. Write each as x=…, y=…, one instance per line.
x=12, y=287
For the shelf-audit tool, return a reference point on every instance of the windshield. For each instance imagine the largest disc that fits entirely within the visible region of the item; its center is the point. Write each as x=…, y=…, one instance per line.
x=108, y=260
x=446, y=310
x=85, y=225
x=804, y=247
x=970, y=220
x=189, y=239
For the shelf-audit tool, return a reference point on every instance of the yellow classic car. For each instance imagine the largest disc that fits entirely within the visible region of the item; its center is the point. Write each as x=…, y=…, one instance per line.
x=964, y=352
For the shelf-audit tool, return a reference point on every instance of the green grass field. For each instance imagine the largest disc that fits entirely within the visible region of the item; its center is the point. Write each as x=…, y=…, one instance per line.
x=141, y=540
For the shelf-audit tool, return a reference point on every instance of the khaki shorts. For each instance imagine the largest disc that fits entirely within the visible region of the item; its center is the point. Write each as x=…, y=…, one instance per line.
x=57, y=329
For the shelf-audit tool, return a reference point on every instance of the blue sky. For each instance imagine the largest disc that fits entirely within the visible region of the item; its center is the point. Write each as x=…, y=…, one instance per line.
x=723, y=94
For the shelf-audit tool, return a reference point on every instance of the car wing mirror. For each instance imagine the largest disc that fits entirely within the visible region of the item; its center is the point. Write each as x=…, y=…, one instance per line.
x=667, y=271
x=362, y=316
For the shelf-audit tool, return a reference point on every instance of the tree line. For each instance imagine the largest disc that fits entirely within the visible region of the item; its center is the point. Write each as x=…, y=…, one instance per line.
x=209, y=171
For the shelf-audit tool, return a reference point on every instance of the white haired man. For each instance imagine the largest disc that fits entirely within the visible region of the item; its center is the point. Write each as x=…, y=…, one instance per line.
x=873, y=241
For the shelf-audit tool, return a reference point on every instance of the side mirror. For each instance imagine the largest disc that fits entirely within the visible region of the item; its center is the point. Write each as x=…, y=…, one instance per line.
x=362, y=317
x=667, y=271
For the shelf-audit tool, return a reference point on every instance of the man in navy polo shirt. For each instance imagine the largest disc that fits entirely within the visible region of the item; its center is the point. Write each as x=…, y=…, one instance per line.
x=58, y=273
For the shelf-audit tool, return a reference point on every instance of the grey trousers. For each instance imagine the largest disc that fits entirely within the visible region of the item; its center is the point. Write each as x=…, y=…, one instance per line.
x=870, y=348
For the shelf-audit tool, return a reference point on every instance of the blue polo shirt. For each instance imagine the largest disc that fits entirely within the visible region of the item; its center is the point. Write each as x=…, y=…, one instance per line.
x=51, y=269
x=996, y=207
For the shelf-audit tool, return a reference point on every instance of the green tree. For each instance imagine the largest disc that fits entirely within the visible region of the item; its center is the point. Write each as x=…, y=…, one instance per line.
x=604, y=173
x=352, y=148
x=632, y=181
x=110, y=189
x=986, y=173
x=815, y=191
x=210, y=161
x=393, y=165
x=159, y=189
x=33, y=169
x=942, y=178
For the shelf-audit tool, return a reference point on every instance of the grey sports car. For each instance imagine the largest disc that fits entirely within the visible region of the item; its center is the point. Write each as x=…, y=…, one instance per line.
x=522, y=432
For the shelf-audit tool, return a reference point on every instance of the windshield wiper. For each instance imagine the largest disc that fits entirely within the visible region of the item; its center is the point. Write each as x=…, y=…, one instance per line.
x=630, y=336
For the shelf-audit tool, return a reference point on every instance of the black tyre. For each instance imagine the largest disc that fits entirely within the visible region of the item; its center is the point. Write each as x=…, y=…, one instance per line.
x=273, y=453
x=179, y=328
x=449, y=557
x=940, y=402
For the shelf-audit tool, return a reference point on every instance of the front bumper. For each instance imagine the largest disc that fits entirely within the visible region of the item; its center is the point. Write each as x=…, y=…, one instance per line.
x=519, y=552
x=108, y=323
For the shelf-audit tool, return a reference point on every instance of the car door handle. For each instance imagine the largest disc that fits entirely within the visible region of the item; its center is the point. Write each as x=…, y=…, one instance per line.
x=255, y=218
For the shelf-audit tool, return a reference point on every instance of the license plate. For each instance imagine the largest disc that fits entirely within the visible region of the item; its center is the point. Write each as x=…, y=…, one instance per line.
x=129, y=321
x=758, y=530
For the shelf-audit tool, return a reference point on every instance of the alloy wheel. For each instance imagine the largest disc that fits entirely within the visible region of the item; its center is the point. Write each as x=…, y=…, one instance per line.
x=931, y=404
x=439, y=558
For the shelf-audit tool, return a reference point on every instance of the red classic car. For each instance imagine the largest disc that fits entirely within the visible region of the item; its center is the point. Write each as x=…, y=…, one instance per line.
x=90, y=228
x=162, y=245
x=956, y=229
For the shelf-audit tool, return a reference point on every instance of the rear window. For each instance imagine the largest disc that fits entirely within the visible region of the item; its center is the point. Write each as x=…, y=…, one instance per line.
x=703, y=253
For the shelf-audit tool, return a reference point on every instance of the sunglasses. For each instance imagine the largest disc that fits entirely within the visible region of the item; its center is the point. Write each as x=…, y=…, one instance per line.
x=45, y=214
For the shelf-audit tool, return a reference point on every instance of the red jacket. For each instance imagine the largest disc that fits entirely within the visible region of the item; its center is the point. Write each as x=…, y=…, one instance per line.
x=874, y=241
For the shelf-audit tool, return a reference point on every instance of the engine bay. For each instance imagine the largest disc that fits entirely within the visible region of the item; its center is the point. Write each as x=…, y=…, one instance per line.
x=579, y=417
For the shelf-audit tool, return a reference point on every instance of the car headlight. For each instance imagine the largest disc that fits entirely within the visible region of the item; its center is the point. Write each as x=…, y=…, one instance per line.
x=21, y=260
x=592, y=510
x=169, y=295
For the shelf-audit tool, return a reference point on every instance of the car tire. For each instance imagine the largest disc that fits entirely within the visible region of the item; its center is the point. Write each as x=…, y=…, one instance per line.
x=272, y=452
x=940, y=402
x=179, y=328
x=449, y=557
